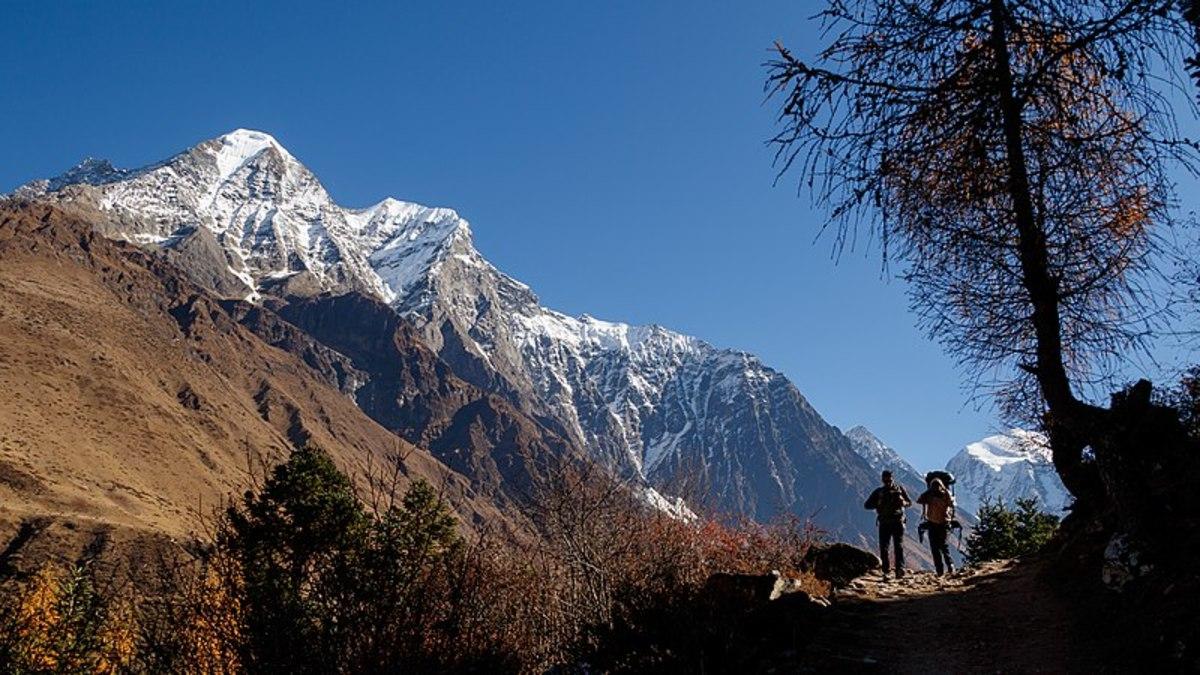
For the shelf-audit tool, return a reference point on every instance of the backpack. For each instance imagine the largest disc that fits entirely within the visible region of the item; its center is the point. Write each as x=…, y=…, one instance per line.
x=891, y=503
x=946, y=477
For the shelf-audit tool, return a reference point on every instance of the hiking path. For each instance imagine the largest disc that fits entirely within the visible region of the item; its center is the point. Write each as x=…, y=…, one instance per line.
x=1000, y=617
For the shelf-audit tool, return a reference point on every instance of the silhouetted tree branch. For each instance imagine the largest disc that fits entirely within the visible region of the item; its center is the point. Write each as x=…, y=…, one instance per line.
x=1012, y=157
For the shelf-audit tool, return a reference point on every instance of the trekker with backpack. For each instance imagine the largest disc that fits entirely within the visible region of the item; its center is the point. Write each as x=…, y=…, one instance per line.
x=889, y=501
x=937, y=511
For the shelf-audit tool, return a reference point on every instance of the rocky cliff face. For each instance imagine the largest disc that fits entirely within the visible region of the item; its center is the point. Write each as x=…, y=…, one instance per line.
x=659, y=408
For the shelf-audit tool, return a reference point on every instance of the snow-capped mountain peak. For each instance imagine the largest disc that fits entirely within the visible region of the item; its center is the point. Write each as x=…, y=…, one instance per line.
x=1009, y=466
x=404, y=241
x=1016, y=446
x=269, y=214
x=233, y=150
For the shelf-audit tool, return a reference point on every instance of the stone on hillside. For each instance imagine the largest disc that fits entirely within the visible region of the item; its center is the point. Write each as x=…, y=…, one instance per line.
x=839, y=563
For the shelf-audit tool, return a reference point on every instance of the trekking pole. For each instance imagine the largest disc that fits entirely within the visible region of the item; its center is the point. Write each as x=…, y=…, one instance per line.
x=956, y=525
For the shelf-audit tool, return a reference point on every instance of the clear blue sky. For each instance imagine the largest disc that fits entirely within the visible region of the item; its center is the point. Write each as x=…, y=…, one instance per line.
x=609, y=154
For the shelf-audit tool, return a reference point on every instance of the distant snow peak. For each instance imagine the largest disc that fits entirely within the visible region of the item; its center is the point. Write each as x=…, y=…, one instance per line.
x=237, y=147
x=1016, y=446
x=871, y=448
x=1006, y=467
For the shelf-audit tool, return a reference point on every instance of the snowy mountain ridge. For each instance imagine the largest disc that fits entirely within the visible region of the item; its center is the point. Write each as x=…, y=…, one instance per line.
x=878, y=454
x=657, y=406
x=269, y=214
x=1009, y=466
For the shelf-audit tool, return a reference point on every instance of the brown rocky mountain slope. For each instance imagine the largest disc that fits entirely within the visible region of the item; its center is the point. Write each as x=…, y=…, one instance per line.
x=131, y=400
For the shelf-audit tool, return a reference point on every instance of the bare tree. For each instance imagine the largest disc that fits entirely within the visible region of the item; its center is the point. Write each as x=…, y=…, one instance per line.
x=1013, y=156
x=1191, y=13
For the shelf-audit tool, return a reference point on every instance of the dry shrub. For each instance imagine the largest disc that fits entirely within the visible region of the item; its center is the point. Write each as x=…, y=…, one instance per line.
x=57, y=621
x=190, y=616
x=617, y=585
x=604, y=582
x=749, y=547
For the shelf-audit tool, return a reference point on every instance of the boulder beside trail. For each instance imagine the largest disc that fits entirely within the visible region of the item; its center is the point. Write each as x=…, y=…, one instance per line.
x=839, y=563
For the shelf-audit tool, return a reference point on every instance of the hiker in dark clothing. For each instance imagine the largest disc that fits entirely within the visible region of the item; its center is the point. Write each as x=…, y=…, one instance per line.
x=937, y=509
x=889, y=501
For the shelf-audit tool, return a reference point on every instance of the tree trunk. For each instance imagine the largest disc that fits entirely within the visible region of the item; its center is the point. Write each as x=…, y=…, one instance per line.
x=1069, y=421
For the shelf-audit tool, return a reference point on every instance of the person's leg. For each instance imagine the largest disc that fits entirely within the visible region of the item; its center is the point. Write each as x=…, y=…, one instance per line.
x=946, y=549
x=898, y=540
x=884, y=541
x=937, y=545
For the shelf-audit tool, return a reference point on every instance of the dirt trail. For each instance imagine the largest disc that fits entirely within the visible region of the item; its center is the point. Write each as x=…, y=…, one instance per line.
x=998, y=618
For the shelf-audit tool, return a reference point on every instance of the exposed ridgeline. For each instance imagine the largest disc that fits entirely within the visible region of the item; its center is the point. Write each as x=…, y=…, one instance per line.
x=246, y=219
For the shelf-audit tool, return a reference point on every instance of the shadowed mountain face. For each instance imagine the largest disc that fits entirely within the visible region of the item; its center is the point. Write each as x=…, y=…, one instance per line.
x=135, y=401
x=412, y=392
x=245, y=218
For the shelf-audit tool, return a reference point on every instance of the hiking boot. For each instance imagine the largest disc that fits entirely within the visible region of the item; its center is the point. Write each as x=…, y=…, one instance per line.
x=900, y=574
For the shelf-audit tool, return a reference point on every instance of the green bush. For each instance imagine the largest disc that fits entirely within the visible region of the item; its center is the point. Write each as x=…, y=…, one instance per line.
x=327, y=586
x=1009, y=533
